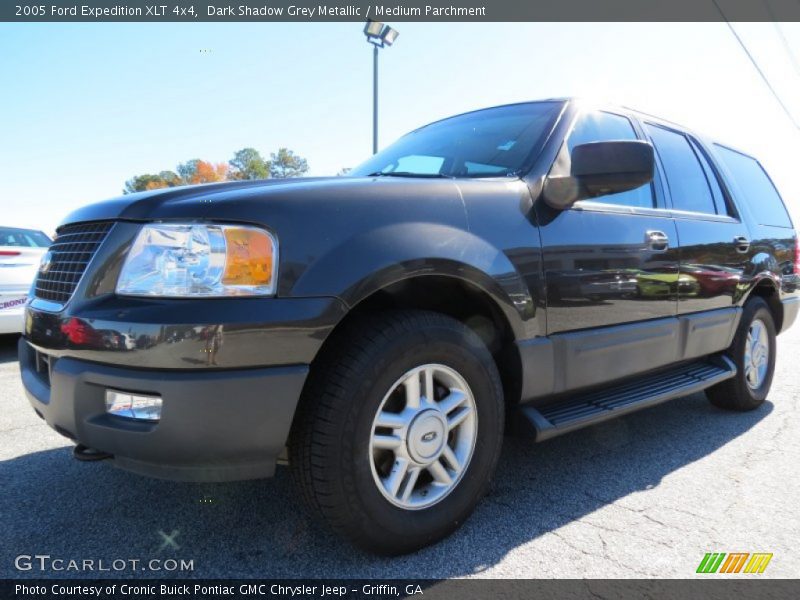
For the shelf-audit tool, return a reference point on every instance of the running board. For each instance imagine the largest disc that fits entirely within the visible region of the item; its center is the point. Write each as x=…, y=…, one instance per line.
x=586, y=409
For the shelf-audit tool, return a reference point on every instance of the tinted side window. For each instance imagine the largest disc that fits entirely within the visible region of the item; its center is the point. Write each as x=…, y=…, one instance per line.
x=757, y=188
x=687, y=181
x=604, y=127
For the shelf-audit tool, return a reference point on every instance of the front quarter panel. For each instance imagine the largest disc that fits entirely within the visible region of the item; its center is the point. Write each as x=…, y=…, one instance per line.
x=378, y=258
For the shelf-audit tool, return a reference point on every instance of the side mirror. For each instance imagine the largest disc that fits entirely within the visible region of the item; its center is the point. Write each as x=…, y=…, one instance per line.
x=597, y=169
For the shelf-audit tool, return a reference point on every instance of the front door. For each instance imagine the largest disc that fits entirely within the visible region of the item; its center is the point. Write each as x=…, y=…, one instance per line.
x=611, y=273
x=613, y=259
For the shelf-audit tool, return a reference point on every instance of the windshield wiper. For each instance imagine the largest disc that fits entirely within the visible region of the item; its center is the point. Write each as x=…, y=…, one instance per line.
x=409, y=174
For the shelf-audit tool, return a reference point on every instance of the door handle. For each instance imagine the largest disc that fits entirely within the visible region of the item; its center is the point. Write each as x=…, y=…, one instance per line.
x=656, y=240
x=742, y=243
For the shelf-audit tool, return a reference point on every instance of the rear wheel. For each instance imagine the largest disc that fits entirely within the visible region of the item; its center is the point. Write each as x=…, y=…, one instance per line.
x=753, y=351
x=399, y=430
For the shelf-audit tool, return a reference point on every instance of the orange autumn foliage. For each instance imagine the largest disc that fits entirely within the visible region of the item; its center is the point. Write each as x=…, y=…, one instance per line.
x=207, y=172
x=155, y=185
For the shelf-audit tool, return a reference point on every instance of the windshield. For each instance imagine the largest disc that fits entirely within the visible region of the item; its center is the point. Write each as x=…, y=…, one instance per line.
x=496, y=142
x=23, y=237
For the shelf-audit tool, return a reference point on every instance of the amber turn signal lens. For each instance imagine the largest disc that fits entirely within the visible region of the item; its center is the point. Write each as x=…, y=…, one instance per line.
x=250, y=253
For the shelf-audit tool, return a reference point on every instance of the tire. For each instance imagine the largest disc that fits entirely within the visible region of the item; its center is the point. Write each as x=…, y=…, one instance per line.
x=336, y=452
x=738, y=393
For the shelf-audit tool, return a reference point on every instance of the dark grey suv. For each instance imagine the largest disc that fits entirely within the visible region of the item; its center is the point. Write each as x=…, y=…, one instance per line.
x=547, y=264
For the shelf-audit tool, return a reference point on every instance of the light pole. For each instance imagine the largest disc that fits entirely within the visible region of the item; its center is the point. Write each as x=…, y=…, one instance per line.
x=379, y=35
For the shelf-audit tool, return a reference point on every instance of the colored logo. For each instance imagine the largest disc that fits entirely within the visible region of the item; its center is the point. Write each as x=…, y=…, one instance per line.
x=734, y=562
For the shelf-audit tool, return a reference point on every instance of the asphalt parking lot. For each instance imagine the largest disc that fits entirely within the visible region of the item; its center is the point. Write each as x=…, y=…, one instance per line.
x=644, y=496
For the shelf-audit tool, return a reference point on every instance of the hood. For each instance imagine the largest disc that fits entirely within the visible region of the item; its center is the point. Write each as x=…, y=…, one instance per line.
x=191, y=201
x=243, y=199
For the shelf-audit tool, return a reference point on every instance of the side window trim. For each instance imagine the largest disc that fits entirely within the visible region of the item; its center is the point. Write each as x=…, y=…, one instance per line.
x=594, y=206
x=701, y=216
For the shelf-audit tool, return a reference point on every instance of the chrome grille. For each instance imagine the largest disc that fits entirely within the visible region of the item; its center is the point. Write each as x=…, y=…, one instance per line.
x=70, y=253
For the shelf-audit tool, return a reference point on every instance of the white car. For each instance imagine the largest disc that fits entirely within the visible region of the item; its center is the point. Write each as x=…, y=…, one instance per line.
x=21, y=251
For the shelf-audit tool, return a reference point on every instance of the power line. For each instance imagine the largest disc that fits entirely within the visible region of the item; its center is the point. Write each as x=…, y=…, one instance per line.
x=782, y=36
x=758, y=68
x=788, y=48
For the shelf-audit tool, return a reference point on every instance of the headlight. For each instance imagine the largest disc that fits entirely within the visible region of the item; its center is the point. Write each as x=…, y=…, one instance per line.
x=181, y=260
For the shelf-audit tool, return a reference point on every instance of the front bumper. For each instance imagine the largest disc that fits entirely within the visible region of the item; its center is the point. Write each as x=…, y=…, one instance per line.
x=229, y=391
x=215, y=425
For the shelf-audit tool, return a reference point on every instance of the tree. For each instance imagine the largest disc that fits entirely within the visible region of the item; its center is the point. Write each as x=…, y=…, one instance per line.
x=286, y=163
x=187, y=170
x=248, y=163
x=149, y=181
x=209, y=173
x=199, y=171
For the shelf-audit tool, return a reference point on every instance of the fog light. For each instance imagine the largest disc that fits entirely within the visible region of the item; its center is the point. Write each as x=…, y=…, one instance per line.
x=133, y=406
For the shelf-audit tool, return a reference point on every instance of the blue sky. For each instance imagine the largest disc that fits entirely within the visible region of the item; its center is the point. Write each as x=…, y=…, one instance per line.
x=86, y=106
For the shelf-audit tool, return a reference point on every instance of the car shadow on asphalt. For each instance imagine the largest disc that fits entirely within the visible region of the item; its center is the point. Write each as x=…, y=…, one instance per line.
x=55, y=505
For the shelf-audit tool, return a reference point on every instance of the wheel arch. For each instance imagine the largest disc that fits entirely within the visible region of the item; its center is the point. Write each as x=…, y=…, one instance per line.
x=384, y=256
x=431, y=266
x=481, y=306
x=768, y=289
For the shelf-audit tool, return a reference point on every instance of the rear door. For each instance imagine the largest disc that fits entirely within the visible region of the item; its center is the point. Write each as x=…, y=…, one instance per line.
x=713, y=241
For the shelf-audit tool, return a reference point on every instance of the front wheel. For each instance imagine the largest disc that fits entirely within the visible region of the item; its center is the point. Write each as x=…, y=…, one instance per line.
x=753, y=352
x=399, y=430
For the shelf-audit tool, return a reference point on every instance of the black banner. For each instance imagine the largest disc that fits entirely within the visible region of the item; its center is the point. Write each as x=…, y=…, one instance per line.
x=712, y=588
x=397, y=10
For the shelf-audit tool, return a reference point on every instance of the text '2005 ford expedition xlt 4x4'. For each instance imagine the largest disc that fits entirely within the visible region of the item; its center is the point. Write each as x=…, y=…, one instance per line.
x=546, y=264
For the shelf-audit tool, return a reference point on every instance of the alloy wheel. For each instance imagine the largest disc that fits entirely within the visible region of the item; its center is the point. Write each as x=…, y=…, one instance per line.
x=423, y=436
